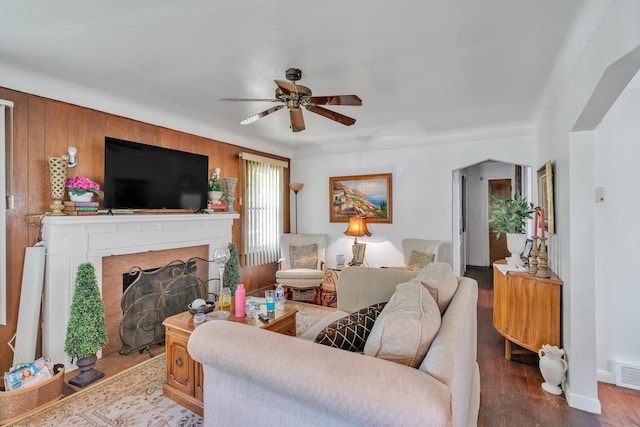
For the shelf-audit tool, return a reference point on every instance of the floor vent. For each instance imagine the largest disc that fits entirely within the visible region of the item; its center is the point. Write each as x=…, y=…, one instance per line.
x=628, y=375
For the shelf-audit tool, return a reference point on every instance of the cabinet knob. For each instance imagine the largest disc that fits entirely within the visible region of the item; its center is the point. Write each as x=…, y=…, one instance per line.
x=179, y=362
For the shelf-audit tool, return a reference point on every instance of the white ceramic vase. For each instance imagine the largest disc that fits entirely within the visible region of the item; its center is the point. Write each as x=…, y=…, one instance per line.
x=515, y=245
x=86, y=197
x=215, y=196
x=552, y=367
x=231, y=193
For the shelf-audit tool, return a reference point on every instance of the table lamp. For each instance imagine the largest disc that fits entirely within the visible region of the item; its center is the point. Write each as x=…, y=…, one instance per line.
x=357, y=228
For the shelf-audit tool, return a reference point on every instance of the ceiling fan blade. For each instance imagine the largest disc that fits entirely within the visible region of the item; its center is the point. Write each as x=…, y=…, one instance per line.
x=340, y=118
x=286, y=87
x=297, y=121
x=336, y=100
x=261, y=115
x=248, y=99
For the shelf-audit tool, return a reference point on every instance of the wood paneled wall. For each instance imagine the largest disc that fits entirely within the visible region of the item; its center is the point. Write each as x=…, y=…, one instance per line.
x=45, y=128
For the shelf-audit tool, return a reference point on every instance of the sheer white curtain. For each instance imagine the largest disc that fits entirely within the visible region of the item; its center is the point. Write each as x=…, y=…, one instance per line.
x=264, y=208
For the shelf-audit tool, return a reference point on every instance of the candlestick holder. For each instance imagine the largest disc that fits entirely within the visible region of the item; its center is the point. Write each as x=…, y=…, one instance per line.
x=543, y=266
x=533, y=256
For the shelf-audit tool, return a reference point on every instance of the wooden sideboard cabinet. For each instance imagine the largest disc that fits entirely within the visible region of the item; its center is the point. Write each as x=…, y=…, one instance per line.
x=526, y=309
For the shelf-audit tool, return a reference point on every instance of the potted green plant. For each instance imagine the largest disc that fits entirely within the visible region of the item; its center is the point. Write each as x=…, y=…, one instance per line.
x=232, y=277
x=86, y=331
x=509, y=217
x=216, y=188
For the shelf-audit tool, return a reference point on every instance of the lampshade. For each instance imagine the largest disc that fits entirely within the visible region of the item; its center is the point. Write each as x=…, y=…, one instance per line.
x=296, y=186
x=357, y=227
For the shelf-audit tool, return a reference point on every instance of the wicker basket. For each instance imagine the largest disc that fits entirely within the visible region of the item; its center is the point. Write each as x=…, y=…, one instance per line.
x=303, y=294
x=19, y=403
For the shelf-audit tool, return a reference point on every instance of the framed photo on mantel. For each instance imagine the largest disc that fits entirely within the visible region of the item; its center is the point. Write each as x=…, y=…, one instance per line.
x=367, y=196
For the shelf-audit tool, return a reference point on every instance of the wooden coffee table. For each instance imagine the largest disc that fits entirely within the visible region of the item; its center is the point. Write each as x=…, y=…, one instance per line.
x=185, y=379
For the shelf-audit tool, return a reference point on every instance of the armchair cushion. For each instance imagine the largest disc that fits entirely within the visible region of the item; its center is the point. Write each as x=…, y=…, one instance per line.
x=438, y=277
x=418, y=260
x=406, y=326
x=351, y=332
x=305, y=256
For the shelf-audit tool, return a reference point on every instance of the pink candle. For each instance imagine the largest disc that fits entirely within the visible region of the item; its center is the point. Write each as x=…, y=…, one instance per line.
x=535, y=224
x=542, y=223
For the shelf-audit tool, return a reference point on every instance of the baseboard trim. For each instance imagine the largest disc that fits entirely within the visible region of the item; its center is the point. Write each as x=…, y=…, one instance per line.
x=583, y=403
x=606, y=376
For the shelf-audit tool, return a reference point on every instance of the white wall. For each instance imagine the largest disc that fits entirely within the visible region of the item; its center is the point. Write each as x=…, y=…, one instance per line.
x=617, y=152
x=422, y=191
x=572, y=248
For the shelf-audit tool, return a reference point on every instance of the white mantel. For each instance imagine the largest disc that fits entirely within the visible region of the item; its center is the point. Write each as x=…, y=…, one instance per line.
x=73, y=240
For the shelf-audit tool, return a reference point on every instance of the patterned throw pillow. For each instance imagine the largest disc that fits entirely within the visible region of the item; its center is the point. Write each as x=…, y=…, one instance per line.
x=351, y=332
x=419, y=260
x=304, y=256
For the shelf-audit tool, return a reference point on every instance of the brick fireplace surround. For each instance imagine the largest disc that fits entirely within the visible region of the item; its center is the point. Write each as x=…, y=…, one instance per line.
x=102, y=240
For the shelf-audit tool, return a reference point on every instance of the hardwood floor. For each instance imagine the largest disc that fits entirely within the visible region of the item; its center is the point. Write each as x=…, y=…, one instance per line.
x=510, y=390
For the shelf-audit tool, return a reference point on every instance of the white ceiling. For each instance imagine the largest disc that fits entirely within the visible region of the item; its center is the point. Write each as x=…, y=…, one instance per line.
x=422, y=68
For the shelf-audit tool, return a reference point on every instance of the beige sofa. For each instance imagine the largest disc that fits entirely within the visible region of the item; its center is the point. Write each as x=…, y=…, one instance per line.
x=253, y=376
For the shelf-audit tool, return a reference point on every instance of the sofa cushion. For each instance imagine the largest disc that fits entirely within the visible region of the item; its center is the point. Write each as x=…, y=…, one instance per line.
x=419, y=260
x=407, y=325
x=351, y=332
x=438, y=277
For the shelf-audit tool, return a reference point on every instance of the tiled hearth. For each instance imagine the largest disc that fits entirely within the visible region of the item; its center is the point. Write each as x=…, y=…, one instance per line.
x=70, y=241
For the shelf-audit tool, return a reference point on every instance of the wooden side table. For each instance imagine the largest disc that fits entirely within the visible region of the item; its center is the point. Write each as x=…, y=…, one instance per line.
x=185, y=379
x=526, y=309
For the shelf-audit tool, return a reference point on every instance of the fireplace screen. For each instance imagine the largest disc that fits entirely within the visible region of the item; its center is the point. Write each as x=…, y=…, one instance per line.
x=154, y=295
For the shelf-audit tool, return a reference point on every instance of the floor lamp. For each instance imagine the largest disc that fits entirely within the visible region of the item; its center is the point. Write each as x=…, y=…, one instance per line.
x=296, y=186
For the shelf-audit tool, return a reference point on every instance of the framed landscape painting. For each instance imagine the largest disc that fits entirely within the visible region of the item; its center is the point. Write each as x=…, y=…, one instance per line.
x=367, y=196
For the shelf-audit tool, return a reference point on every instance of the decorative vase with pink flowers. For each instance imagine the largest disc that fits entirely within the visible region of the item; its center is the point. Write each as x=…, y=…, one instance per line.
x=81, y=189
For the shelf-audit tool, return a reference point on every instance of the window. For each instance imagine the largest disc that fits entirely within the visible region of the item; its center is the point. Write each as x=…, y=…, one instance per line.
x=264, y=208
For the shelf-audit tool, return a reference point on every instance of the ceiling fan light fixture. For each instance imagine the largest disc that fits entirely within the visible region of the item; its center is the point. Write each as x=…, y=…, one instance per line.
x=292, y=96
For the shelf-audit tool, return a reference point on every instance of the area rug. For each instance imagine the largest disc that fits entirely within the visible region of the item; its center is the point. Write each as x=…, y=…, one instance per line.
x=308, y=315
x=134, y=396
x=131, y=398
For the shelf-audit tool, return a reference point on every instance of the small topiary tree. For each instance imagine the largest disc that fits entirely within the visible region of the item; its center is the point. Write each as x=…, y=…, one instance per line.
x=86, y=331
x=232, y=269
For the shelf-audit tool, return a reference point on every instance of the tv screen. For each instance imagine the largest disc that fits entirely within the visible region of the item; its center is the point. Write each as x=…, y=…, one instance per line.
x=141, y=176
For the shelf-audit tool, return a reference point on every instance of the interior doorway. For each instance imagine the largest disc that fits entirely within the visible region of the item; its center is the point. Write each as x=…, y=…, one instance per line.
x=501, y=188
x=473, y=243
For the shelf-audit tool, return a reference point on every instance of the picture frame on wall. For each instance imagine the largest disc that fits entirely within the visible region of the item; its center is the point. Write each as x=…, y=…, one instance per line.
x=367, y=196
x=545, y=195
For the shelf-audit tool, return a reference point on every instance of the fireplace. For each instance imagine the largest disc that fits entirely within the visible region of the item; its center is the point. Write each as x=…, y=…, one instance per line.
x=70, y=241
x=152, y=296
x=116, y=268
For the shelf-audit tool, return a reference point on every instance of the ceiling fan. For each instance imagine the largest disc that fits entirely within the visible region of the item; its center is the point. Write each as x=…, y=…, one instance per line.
x=294, y=96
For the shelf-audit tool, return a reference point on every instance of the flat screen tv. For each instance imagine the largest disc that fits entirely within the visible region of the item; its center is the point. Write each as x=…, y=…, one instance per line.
x=141, y=176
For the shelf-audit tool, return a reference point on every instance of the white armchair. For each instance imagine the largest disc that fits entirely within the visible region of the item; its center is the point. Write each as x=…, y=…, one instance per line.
x=419, y=252
x=301, y=263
